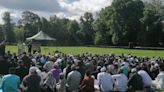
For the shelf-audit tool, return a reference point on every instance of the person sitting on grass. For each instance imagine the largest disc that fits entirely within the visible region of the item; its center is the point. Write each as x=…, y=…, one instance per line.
x=135, y=81
x=10, y=82
x=61, y=85
x=87, y=84
x=31, y=82
x=105, y=80
x=121, y=81
x=159, y=80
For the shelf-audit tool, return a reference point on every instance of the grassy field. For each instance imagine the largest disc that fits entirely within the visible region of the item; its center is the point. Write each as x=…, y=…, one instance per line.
x=95, y=50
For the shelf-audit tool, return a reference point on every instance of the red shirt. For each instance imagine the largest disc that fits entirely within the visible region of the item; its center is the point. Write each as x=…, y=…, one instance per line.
x=87, y=84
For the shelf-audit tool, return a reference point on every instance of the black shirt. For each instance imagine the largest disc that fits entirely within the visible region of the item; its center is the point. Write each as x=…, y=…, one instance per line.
x=135, y=82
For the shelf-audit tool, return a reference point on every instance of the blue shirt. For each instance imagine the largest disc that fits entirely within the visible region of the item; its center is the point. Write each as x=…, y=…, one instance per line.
x=43, y=60
x=10, y=83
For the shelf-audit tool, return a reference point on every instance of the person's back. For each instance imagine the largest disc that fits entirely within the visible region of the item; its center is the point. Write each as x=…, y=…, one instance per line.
x=73, y=80
x=31, y=82
x=87, y=84
x=10, y=83
x=61, y=84
x=48, y=65
x=160, y=81
x=125, y=70
x=105, y=81
x=146, y=78
x=111, y=69
x=121, y=82
x=66, y=70
x=21, y=70
x=4, y=65
x=27, y=61
x=135, y=82
x=56, y=73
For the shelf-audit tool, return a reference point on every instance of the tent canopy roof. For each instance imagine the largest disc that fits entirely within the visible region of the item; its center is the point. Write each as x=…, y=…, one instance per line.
x=40, y=36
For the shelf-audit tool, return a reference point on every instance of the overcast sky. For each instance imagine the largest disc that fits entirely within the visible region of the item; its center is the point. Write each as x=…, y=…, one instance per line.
x=71, y=9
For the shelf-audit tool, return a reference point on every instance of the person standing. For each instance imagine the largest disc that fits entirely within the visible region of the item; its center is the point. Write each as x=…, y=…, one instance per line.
x=29, y=47
x=2, y=48
x=10, y=82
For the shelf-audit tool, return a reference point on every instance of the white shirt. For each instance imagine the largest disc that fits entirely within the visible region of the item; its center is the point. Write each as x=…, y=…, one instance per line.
x=73, y=80
x=105, y=81
x=160, y=81
x=120, y=82
x=145, y=77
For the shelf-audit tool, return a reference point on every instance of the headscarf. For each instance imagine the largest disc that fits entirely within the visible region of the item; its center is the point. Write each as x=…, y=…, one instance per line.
x=50, y=81
x=36, y=70
x=32, y=70
x=103, y=69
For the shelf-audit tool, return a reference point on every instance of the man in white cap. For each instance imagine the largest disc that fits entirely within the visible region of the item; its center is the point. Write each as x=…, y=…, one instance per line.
x=105, y=80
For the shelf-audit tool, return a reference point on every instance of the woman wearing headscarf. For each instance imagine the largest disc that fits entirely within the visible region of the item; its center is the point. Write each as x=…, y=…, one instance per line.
x=56, y=72
x=61, y=85
x=31, y=82
x=50, y=82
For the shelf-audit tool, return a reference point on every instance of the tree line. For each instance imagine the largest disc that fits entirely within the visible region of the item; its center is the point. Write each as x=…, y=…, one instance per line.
x=140, y=23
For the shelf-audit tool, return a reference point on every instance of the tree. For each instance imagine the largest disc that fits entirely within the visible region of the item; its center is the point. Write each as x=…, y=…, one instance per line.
x=59, y=29
x=102, y=27
x=19, y=34
x=72, y=28
x=125, y=21
x=7, y=28
x=31, y=23
x=152, y=26
x=86, y=29
x=45, y=26
x=1, y=34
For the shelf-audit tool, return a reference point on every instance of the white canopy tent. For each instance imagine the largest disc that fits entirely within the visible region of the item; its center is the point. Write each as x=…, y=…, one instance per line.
x=40, y=36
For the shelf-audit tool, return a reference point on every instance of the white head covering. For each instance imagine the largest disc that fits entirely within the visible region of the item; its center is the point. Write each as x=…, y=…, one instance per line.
x=32, y=70
x=134, y=70
x=103, y=69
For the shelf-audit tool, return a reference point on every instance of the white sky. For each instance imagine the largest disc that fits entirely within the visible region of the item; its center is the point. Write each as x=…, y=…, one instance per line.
x=71, y=9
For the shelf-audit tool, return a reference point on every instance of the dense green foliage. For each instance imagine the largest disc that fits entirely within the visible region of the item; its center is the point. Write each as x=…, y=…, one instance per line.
x=8, y=28
x=124, y=21
x=1, y=34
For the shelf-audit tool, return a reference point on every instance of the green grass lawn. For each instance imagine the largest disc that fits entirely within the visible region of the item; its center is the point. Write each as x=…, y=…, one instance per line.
x=95, y=50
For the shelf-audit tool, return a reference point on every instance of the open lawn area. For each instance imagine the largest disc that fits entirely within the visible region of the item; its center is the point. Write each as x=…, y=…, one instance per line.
x=94, y=50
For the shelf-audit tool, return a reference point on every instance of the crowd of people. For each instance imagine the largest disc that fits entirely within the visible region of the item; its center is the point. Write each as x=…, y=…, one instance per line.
x=59, y=72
